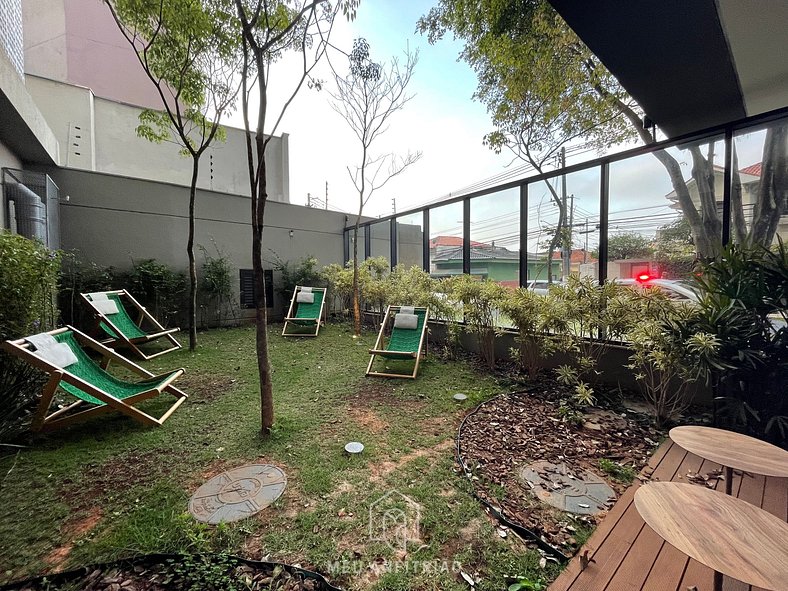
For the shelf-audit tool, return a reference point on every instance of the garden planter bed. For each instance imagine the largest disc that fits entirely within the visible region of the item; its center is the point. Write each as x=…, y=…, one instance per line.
x=160, y=572
x=505, y=434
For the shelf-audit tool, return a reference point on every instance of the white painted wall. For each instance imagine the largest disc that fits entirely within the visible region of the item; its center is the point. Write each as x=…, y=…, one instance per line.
x=11, y=34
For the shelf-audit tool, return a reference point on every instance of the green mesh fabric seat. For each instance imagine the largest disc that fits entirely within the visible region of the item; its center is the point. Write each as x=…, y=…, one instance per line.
x=303, y=319
x=90, y=382
x=88, y=370
x=123, y=330
x=122, y=321
x=401, y=344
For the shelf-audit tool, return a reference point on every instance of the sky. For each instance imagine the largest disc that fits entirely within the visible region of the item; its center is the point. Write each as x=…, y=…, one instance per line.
x=442, y=121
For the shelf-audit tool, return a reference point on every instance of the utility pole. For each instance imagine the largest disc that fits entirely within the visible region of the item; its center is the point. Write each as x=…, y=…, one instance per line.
x=309, y=199
x=394, y=205
x=565, y=250
x=326, y=194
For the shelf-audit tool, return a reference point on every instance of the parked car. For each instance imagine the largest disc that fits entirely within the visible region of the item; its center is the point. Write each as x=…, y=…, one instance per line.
x=673, y=288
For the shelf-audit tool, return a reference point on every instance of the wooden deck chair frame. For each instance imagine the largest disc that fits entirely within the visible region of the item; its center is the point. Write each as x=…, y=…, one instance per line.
x=377, y=351
x=143, y=315
x=57, y=420
x=289, y=318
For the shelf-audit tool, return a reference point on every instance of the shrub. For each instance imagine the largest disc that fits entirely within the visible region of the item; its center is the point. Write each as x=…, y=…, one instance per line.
x=28, y=284
x=79, y=276
x=157, y=287
x=531, y=314
x=216, y=289
x=481, y=302
x=302, y=272
x=340, y=284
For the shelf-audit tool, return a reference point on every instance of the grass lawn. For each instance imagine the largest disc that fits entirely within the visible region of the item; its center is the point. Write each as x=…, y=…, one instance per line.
x=111, y=488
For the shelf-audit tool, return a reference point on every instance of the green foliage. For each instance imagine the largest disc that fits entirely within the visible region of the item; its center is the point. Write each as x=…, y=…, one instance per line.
x=629, y=245
x=158, y=287
x=531, y=314
x=217, y=286
x=340, y=284
x=526, y=584
x=28, y=284
x=303, y=272
x=675, y=248
x=28, y=288
x=481, y=304
x=77, y=276
x=743, y=307
x=625, y=474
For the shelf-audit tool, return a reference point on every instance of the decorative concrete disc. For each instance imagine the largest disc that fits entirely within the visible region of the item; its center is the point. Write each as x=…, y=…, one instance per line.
x=238, y=493
x=575, y=492
x=460, y=397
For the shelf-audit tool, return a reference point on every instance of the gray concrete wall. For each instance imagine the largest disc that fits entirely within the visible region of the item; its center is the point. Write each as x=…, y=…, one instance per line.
x=11, y=34
x=113, y=220
x=7, y=160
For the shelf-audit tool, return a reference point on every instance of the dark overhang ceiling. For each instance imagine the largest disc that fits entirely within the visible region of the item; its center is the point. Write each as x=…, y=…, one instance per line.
x=691, y=64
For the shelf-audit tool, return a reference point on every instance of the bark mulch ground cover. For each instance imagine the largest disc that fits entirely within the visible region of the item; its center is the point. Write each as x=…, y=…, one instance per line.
x=513, y=430
x=184, y=573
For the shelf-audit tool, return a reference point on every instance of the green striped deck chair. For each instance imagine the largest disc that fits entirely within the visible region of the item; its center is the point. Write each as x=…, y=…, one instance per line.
x=97, y=391
x=121, y=329
x=304, y=318
x=401, y=343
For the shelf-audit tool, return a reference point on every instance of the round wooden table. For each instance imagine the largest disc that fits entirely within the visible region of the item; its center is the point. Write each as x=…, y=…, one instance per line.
x=726, y=534
x=732, y=451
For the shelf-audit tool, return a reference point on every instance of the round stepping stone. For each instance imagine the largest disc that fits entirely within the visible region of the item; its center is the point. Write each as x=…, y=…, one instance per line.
x=237, y=494
x=572, y=491
x=460, y=397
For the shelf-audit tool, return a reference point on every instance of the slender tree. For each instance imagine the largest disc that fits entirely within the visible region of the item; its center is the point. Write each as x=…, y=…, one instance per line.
x=269, y=30
x=543, y=88
x=366, y=98
x=190, y=51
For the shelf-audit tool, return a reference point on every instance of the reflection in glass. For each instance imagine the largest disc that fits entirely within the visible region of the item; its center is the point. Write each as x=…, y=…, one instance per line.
x=446, y=240
x=380, y=240
x=563, y=227
x=410, y=240
x=665, y=210
x=759, y=185
x=495, y=237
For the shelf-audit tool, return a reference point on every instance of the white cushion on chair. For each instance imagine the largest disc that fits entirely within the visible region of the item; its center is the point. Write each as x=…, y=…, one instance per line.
x=306, y=289
x=410, y=321
x=47, y=348
x=98, y=295
x=305, y=297
x=106, y=306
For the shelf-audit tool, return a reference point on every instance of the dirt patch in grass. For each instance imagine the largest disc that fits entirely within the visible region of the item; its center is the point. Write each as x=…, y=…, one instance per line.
x=72, y=531
x=367, y=419
x=382, y=392
x=379, y=471
x=511, y=431
x=203, y=387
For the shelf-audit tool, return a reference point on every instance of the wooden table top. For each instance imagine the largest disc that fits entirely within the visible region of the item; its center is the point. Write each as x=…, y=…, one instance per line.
x=726, y=534
x=733, y=450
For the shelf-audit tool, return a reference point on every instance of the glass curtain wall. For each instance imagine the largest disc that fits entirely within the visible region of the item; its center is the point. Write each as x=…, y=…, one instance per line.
x=380, y=240
x=759, y=185
x=495, y=237
x=659, y=224
x=410, y=237
x=446, y=240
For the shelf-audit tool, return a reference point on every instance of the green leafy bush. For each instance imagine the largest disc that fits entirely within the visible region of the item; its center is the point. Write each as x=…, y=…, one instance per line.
x=302, y=272
x=481, y=305
x=159, y=288
x=532, y=314
x=216, y=289
x=28, y=287
x=80, y=276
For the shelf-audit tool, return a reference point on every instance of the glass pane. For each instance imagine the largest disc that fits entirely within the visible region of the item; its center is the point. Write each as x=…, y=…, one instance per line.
x=495, y=237
x=446, y=240
x=380, y=240
x=650, y=229
x=563, y=227
x=759, y=211
x=410, y=240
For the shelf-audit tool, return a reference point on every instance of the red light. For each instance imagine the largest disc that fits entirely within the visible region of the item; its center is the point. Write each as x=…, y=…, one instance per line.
x=643, y=277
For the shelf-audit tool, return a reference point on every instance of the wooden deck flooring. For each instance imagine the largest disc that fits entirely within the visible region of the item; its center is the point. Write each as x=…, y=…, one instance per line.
x=629, y=556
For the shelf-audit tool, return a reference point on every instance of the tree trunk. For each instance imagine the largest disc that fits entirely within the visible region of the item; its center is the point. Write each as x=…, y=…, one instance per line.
x=773, y=188
x=738, y=223
x=356, y=298
x=261, y=306
x=192, y=263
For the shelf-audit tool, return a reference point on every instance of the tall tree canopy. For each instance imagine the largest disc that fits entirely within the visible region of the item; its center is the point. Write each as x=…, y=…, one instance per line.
x=544, y=88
